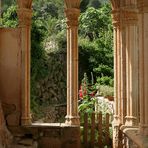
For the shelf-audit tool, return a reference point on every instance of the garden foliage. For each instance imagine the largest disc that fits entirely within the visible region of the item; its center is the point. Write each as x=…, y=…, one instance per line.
x=48, y=40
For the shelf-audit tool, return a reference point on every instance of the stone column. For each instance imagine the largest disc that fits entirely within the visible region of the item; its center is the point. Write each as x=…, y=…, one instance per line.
x=143, y=68
x=131, y=23
x=117, y=77
x=116, y=23
x=123, y=71
x=24, y=16
x=72, y=15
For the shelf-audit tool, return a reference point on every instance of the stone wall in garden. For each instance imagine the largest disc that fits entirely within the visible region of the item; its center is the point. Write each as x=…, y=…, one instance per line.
x=51, y=91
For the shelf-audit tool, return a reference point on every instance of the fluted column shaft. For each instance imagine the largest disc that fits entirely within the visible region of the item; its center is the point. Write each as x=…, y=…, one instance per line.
x=72, y=15
x=123, y=73
x=117, y=76
x=143, y=70
x=24, y=16
x=116, y=23
x=131, y=23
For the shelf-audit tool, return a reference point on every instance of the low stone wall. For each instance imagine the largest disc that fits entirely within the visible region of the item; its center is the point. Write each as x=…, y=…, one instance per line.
x=52, y=114
x=132, y=138
x=46, y=136
x=38, y=135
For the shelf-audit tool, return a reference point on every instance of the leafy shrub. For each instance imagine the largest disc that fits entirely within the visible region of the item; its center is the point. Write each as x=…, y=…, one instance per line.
x=105, y=80
x=105, y=90
x=9, y=17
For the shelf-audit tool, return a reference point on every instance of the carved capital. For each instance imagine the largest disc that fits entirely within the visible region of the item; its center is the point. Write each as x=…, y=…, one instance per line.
x=72, y=3
x=24, y=16
x=142, y=6
x=116, y=17
x=72, y=15
x=115, y=4
x=129, y=17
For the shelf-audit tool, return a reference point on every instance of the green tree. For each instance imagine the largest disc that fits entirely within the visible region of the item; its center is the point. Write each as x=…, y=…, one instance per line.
x=6, y=4
x=96, y=50
x=9, y=17
x=46, y=8
x=93, y=22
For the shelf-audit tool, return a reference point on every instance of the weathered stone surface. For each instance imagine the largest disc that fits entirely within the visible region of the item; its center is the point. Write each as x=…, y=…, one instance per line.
x=5, y=135
x=26, y=142
x=43, y=135
x=50, y=142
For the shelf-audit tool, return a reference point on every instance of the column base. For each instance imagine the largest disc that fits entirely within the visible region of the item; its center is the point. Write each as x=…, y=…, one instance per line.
x=130, y=121
x=144, y=130
x=25, y=121
x=116, y=132
x=72, y=120
x=116, y=121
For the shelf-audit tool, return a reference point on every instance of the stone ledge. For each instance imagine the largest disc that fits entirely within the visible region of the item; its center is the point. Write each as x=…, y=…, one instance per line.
x=45, y=125
x=135, y=136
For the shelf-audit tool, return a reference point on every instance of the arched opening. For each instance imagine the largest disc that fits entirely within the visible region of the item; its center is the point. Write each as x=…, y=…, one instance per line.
x=130, y=21
x=48, y=63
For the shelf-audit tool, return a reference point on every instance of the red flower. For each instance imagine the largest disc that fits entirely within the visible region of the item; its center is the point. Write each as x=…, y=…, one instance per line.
x=92, y=94
x=80, y=94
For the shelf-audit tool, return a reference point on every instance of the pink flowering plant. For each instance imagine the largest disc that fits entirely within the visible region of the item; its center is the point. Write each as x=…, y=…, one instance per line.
x=86, y=96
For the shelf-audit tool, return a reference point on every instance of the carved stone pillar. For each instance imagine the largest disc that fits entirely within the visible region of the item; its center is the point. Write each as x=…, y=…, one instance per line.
x=143, y=66
x=24, y=16
x=72, y=15
x=117, y=76
x=116, y=23
x=123, y=71
x=131, y=24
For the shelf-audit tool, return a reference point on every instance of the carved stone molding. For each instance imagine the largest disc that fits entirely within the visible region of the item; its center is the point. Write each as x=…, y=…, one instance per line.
x=72, y=15
x=126, y=16
x=129, y=17
x=24, y=16
x=142, y=6
x=116, y=17
x=115, y=4
x=72, y=3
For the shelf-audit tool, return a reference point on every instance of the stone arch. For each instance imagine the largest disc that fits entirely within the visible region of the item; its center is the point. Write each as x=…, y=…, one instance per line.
x=126, y=24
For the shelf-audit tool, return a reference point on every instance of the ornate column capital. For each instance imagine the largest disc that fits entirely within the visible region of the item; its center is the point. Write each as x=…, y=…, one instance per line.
x=116, y=17
x=129, y=16
x=24, y=16
x=115, y=4
x=72, y=3
x=142, y=6
x=72, y=15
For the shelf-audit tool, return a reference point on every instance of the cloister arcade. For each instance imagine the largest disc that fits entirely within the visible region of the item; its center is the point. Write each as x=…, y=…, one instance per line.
x=130, y=125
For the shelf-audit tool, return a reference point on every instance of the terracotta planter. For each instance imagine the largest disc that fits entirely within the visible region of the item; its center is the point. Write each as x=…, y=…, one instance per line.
x=110, y=98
